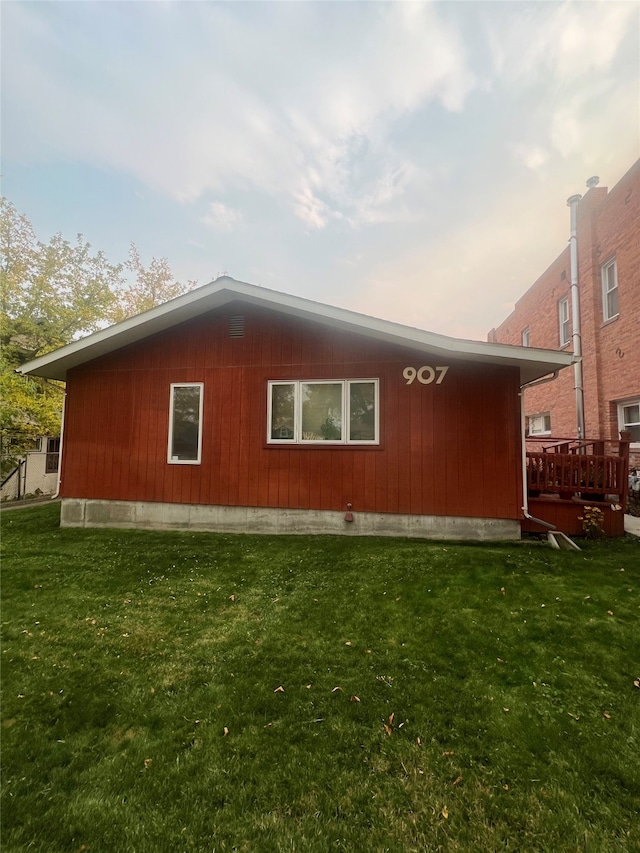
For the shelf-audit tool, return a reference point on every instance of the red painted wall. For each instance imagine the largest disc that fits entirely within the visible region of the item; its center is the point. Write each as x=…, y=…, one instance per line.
x=449, y=449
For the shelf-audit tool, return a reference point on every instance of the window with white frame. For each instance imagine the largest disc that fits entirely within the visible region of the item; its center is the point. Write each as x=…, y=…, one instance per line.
x=185, y=423
x=629, y=418
x=563, y=321
x=539, y=424
x=609, y=290
x=526, y=338
x=331, y=411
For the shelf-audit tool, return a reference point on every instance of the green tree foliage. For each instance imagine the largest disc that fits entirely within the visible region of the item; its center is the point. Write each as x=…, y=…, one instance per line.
x=54, y=293
x=152, y=285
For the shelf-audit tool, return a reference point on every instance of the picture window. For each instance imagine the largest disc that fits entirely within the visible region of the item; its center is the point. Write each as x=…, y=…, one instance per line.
x=323, y=412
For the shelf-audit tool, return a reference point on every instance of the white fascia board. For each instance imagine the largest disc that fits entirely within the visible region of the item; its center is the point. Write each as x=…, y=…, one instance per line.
x=533, y=363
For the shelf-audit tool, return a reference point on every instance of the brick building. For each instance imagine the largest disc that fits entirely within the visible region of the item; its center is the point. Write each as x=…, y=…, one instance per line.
x=608, y=252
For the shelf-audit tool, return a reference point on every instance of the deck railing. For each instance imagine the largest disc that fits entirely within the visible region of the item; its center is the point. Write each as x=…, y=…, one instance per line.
x=568, y=467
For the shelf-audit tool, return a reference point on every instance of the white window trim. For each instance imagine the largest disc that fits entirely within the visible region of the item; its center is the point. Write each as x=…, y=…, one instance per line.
x=175, y=385
x=297, y=440
x=543, y=415
x=526, y=337
x=632, y=401
x=562, y=320
x=606, y=290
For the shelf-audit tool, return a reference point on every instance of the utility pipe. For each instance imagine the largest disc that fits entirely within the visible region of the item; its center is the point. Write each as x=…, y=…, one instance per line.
x=572, y=202
x=59, y=479
x=525, y=492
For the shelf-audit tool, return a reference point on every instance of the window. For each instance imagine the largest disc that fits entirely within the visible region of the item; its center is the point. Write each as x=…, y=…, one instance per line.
x=563, y=318
x=629, y=418
x=539, y=424
x=314, y=412
x=185, y=423
x=609, y=290
x=526, y=337
x=53, y=456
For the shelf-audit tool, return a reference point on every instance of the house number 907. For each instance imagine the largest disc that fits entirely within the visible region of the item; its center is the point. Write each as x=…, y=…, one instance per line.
x=425, y=375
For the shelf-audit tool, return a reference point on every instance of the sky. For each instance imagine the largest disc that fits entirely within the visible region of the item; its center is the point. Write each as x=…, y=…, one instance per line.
x=407, y=160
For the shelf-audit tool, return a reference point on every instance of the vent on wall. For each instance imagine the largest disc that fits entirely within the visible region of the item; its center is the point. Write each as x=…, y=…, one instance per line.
x=236, y=327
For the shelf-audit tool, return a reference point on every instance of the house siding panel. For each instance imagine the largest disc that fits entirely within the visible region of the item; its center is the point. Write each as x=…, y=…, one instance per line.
x=449, y=449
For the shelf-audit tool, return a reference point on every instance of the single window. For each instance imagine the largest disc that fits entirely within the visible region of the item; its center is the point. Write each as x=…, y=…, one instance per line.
x=629, y=418
x=609, y=290
x=185, y=423
x=540, y=424
x=363, y=411
x=563, y=318
x=329, y=411
x=52, y=460
x=282, y=411
x=526, y=337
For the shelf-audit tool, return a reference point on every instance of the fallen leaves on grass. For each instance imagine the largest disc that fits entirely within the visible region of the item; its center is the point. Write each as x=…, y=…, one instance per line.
x=445, y=812
x=147, y=763
x=354, y=699
x=279, y=689
x=225, y=731
x=336, y=689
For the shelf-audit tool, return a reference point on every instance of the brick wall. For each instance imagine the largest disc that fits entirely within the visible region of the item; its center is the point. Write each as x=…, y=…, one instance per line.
x=608, y=227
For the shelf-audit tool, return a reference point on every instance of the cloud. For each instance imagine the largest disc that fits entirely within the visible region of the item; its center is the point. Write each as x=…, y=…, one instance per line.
x=410, y=159
x=222, y=218
x=564, y=40
x=206, y=125
x=532, y=156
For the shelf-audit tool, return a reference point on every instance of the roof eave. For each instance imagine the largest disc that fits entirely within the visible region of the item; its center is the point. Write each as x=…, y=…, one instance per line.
x=533, y=363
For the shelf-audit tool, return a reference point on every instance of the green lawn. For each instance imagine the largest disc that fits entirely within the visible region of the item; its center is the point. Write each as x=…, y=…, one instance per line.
x=206, y=692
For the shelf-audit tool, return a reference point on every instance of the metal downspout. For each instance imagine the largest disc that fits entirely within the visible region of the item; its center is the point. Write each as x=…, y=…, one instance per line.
x=572, y=202
x=59, y=481
x=525, y=493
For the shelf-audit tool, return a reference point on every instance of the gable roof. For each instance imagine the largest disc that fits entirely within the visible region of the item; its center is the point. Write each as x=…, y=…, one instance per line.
x=533, y=363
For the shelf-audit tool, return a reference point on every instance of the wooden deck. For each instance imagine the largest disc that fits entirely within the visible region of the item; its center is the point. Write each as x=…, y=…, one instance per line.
x=566, y=476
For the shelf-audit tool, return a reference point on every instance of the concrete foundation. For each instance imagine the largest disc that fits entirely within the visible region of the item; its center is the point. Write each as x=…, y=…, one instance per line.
x=81, y=512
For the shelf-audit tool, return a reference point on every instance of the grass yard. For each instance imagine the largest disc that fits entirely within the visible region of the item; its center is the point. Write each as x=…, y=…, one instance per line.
x=207, y=692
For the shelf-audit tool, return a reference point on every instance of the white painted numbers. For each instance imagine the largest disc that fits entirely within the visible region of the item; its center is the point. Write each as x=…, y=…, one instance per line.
x=425, y=374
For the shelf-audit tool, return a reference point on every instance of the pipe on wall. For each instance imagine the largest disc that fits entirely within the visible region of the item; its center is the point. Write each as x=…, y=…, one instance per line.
x=576, y=338
x=525, y=491
x=59, y=480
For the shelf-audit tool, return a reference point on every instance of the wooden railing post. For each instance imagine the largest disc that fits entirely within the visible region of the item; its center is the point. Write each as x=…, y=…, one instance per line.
x=623, y=451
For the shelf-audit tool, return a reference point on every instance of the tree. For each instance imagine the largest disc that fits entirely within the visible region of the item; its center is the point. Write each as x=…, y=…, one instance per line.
x=51, y=294
x=54, y=293
x=152, y=286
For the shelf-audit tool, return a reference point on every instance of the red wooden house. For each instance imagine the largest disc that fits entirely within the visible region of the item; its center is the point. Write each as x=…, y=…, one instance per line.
x=237, y=408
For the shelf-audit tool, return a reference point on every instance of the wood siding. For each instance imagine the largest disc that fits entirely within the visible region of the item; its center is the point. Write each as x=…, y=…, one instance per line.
x=449, y=449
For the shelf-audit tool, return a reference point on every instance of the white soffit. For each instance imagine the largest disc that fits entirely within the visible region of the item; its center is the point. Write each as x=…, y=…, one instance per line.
x=533, y=363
